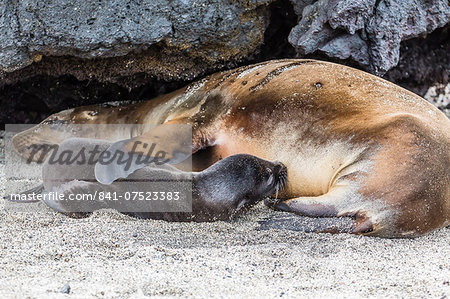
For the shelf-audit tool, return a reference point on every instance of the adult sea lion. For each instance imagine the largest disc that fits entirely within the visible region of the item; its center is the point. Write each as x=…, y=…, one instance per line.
x=354, y=144
x=226, y=189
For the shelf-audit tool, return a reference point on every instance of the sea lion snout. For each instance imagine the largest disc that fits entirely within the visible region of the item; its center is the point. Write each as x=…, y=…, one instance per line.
x=246, y=174
x=275, y=179
x=280, y=172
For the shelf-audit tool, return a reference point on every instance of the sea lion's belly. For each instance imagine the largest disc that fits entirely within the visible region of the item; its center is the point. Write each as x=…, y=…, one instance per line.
x=312, y=166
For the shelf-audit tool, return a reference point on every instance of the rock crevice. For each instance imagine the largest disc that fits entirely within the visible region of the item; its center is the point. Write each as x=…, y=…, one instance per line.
x=367, y=31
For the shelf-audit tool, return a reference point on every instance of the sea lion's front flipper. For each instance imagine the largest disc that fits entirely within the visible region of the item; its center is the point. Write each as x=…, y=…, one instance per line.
x=169, y=143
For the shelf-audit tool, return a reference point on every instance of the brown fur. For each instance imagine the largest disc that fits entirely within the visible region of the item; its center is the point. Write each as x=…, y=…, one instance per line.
x=353, y=143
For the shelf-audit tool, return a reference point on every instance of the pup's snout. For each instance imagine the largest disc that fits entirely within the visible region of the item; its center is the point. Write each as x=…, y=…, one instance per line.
x=281, y=173
x=280, y=169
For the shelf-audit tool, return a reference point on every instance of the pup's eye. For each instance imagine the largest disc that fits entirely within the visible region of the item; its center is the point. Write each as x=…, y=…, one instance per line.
x=269, y=171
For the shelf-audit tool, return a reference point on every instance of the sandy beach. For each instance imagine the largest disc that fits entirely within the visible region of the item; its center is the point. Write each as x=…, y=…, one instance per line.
x=262, y=254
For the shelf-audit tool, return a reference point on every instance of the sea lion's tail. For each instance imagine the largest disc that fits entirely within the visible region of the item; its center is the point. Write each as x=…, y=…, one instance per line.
x=18, y=197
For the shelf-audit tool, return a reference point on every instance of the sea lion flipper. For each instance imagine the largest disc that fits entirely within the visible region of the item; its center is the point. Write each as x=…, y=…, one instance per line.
x=35, y=190
x=69, y=191
x=304, y=206
x=169, y=143
x=335, y=203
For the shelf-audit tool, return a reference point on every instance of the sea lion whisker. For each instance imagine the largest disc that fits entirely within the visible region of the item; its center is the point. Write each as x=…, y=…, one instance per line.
x=276, y=193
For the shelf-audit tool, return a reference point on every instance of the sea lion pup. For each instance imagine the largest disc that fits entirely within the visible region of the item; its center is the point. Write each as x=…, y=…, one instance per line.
x=226, y=189
x=353, y=143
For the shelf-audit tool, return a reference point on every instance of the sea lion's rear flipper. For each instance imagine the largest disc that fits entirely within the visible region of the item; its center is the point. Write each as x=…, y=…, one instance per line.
x=76, y=199
x=338, y=202
x=169, y=143
x=292, y=222
x=26, y=196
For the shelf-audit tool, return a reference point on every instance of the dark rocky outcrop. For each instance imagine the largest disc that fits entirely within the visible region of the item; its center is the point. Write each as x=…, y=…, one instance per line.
x=171, y=40
x=367, y=31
